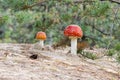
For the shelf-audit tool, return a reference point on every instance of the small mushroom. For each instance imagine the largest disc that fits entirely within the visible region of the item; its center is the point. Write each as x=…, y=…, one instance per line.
x=73, y=32
x=41, y=36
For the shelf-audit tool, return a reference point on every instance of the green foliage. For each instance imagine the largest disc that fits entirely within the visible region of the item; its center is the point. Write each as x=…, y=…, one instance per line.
x=16, y=4
x=111, y=52
x=97, y=9
x=24, y=16
x=20, y=23
x=118, y=57
x=115, y=51
x=89, y=55
x=117, y=47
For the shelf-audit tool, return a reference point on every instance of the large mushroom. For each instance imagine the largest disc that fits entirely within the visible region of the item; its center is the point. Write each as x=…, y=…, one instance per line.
x=73, y=32
x=41, y=36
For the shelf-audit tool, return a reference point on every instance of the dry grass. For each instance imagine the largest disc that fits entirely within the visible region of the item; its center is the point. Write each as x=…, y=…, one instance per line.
x=52, y=65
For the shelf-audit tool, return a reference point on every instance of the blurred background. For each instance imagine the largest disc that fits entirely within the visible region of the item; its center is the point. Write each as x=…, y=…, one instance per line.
x=20, y=20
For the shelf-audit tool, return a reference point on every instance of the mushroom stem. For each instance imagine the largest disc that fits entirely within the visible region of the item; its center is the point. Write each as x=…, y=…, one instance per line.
x=41, y=42
x=74, y=46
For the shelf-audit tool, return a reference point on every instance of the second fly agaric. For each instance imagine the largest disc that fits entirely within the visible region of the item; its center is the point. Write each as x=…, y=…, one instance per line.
x=73, y=32
x=41, y=36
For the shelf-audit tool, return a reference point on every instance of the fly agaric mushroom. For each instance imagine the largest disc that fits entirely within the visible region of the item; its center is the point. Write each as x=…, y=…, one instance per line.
x=41, y=36
x=73, y=32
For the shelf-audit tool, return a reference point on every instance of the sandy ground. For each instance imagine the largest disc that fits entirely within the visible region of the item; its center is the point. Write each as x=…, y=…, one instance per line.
x=53, y=65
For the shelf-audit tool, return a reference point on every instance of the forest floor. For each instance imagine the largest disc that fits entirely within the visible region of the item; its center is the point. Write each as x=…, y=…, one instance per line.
x=53, y=64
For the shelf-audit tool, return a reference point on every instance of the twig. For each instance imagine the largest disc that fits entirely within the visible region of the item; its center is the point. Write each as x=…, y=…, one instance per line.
x=35, y=4
x=101, y=31
x=114, y=1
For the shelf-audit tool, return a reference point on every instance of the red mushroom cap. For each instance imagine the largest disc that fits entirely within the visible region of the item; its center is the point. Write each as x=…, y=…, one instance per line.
x=41, y=35
x=73, y=31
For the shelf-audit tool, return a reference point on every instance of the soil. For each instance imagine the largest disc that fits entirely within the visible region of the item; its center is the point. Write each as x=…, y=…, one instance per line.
x=16, y=64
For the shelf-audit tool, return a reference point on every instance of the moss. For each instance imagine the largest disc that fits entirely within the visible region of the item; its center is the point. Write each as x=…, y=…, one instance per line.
x=118, y=57
x=89, y=55
x=117, y=47
x=111, y=52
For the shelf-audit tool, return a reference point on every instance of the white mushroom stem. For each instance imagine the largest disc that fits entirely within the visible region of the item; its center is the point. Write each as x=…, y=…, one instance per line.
x=41, y=42
x=74, y=45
